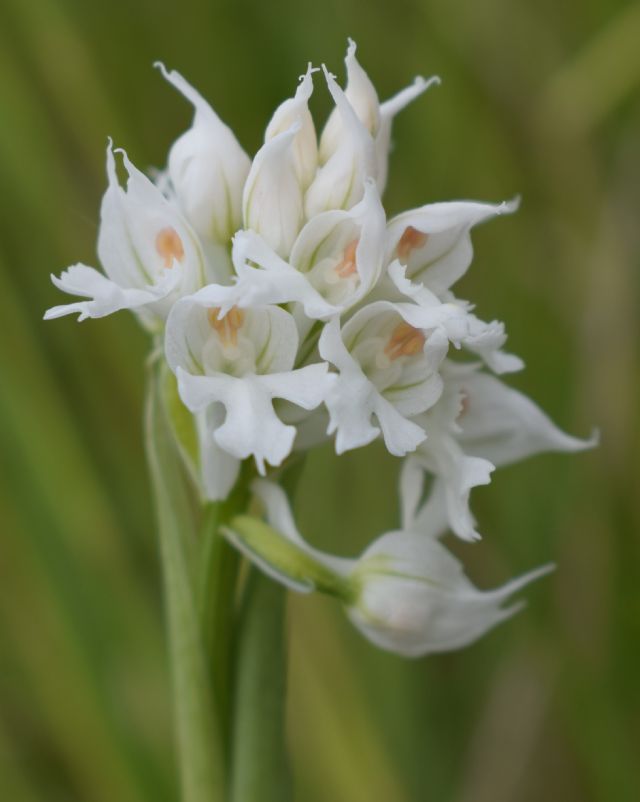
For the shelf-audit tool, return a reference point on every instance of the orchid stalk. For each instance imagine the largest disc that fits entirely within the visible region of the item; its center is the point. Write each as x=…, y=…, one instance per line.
x=284, y=309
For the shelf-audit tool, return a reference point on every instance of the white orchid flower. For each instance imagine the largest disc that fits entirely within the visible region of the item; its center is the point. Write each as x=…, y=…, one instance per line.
x=242, y=360
x=455, y=472
x=388, y=356
x=341, y=251
x=478, y=424
x=434, y=241
x=148, y=251
x=334, y=263
x=339, y=183
x=305, y=144
x=377, y=118
x=480, y=338
x=406, y=593
x=208, y=169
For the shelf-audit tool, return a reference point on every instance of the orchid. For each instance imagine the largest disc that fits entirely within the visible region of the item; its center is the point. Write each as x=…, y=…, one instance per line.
x=242, y=360
x=477, y=425
x=149, y=252
x=287, y=311
x=406, y=593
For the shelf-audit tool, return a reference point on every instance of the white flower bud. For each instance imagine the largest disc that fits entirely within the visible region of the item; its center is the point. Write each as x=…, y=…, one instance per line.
x=305, y=144
x=362, y=96
x=272, y=200
x=406, y=593
x=339, y=183
x=208, y=169
x=414, y=599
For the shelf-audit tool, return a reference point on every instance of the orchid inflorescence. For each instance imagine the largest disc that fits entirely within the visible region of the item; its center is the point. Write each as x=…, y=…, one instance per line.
x=292, y=310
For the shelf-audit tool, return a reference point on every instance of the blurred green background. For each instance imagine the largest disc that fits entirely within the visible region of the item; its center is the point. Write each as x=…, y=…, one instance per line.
x=538, y=98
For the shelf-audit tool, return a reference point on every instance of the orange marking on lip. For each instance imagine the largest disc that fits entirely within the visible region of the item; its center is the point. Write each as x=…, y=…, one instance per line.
x=169, y=246
x=347, y=266
x=464, y=404
x=409, y=241
x=404, y=341
x=227, y=328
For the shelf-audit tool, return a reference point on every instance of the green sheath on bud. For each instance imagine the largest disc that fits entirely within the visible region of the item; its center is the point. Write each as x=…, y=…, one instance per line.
x=285, y=560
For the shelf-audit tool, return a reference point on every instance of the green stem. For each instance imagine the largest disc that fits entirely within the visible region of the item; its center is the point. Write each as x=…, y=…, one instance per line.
x=199, y=744
x=260, y=768
x=218, y=578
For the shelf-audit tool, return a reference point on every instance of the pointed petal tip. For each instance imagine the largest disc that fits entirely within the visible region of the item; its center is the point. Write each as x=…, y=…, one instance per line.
x=510, y=206
x=422, y=83
x=330, y=77
x=573, y=444
x=593, y=441
x=517, y=584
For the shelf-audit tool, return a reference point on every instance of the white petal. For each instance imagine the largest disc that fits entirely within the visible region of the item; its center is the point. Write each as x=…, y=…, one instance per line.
x=505, y=426
x=185, y=334
x=422, y=602
x=251, y=427
x=469, y=616
x=362, y=96
x=418, y=387
x=198, y=392
x=467, y=473
x=327, y=236
x=208, y=168
x=305, y=146
x=218, y=469
x=339, y=183
x=106, y=296
x=142, y=236
x=432, y=519
x=401, y=436
x=416, y=291
x=486, y=340
x=455, y=474
x=350, y=401
x=269, y=331
x=446, y=253
x=272, y=200
x=274, y=281
x=306, y=387
x=353, y=400
x=411, y=489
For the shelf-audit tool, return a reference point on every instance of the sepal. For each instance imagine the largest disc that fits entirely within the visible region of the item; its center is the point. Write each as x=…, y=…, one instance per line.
x=272, y=202
x=207, y=168
x=291, y=563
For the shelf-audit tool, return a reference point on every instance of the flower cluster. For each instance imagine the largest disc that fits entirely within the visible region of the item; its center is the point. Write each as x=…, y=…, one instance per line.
x=293, y=311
